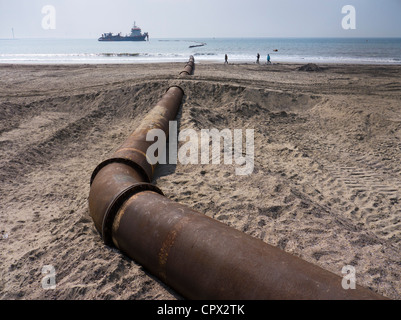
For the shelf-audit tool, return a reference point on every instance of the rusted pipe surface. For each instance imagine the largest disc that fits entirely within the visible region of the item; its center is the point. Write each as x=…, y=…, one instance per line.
x=202, y=258
x=189, y=67
x=114, y=184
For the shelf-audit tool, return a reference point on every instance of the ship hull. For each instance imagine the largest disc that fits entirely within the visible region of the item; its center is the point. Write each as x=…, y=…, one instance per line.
x=119, y=38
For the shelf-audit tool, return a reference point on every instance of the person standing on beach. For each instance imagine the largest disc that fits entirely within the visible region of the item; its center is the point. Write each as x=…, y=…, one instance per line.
x=268, y=59
x=257, y=58
x=226, y=59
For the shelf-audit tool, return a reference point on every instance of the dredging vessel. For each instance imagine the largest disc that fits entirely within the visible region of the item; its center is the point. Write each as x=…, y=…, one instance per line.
x=136, y=35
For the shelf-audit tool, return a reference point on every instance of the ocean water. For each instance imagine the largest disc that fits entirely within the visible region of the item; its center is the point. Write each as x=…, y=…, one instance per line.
x=281, y=50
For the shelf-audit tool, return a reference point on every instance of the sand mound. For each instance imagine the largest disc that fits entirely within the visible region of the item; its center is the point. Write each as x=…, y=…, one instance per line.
x=311, y=67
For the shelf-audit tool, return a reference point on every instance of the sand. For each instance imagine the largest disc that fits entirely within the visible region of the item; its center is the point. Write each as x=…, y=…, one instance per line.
x=325, y=187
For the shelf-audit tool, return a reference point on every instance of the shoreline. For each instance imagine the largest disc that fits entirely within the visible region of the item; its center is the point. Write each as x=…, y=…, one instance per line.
x=325, y=186
x=204, y=62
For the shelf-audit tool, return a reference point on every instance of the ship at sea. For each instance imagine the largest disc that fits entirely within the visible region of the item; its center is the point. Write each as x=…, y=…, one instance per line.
x=136, y=35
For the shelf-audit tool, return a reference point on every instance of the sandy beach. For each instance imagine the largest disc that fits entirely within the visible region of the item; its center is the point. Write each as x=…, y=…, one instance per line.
x=326, y=184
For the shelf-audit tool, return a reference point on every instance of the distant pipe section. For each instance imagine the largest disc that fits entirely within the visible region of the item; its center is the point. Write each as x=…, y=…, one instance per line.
x=189, y=67
x=199, y=257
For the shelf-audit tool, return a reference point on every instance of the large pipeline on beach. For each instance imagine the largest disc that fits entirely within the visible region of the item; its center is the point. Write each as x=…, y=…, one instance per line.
x=199, y=257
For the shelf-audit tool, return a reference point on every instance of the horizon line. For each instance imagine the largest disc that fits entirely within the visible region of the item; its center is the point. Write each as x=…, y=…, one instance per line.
x=228, y=37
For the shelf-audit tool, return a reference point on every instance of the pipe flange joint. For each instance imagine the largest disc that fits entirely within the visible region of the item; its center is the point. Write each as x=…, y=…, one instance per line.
x=116, y=204
x=128, y=162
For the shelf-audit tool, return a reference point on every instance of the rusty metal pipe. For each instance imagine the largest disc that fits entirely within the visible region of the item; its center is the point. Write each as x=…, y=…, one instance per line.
x=202, y=258
x=199, y=257
x=127, y=171
x=189, y=67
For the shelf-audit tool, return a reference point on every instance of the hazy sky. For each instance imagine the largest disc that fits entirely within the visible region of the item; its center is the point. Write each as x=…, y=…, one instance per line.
x=201, y=18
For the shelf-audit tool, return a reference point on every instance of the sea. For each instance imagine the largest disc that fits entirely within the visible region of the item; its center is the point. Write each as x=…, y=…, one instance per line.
x=239, y=50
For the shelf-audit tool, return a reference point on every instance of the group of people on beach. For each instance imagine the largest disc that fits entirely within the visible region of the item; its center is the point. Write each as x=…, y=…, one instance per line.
x=268, y=58
x=257, y=59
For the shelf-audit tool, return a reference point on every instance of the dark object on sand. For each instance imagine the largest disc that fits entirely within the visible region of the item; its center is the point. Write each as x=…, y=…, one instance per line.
x=311, y=67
